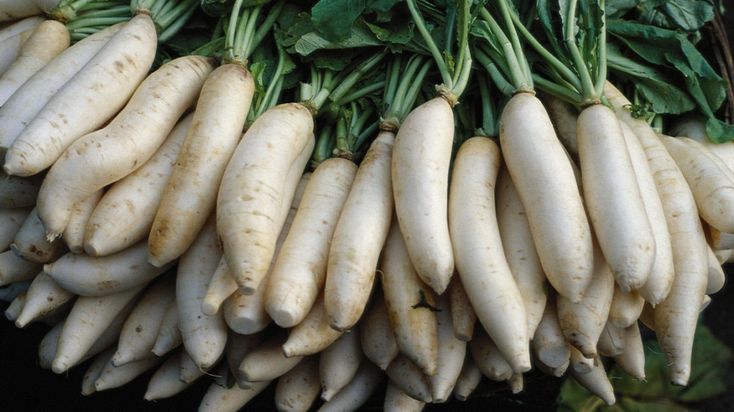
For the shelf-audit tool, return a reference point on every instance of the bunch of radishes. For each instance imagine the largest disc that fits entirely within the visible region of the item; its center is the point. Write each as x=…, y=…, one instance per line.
x=145, y=221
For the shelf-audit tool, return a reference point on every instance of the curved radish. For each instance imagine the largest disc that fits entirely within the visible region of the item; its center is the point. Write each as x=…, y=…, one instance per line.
x=266, y=361
x=14, y=268
x=564, y=118
x=545, y=182
x=339, y=363
x=420, y=178
x=9, y=292
x=451, y=353
x=87, y=101
x=80, y=213
x=20, y=26
x=597, y=382
x=359, y=236
x=407, y=376
x=468, y=379
x=115, y=376
x=204, y=337
x=188, y=370
x=93, y=371
x=549, y=344
x=15, y=307
x=480, y=258
x=246, y=314
x=47, y=40
x=253, y=190
x=43, y=297
x=169, y=336
x=632, y=360
x=626, y=308
x=125, y=213
x=611, y=341
x=517, y=243
x=488, y=358
x=165, y=382
x=716, y=277
x=354, y=395
x=312, y=335
x=221, y=399
x=129, y=140
x=29, y=99
x=99, y=276
x=299, y=272
x=376, y=337
x=297, y=390
x=410, y=304
x=463, y=317
x=10, y=48
x=31, y=243
x=613, y=198
x=660, y=279
x=398, y=401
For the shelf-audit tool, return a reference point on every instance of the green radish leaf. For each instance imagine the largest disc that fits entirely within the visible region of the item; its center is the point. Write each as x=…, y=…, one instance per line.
x=334, y=18
x=617, y=8
x=360, y=36
x=718, y=131
x=545, y=16
x=221, y=7
x=396, y=32
x=687, y=15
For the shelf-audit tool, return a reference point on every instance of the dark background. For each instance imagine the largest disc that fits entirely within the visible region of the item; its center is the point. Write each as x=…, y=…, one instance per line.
x=26, y=387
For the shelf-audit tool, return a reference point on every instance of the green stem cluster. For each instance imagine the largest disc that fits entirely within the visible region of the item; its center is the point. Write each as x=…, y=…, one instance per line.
x=244, y=32
x=169, y=15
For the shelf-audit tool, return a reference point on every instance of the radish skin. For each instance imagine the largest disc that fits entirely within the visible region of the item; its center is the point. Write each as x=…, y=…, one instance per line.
x=596, y=382
x=468, y=379
x=23, y=106
x=15, y=307
x=376, y=336
x=398, y=401
x=359, y=235
x=410, y=305
x=339, y=363
x=47, y=40
x=354, y=395
x=165, y=382
x=43, y=297
x=488, y=358
x=20, y=26
x=80, y=213
x=31, y=243
x=9, y=292
x=14, y=268
x=548, y=343
x=716, y=276
x=580, y=363
x=299, y=272
x=407, y=376
x=119, y=68
x=612, y=340
x=632, y=360
x=100, y=276
x=246, y=314
x=463, y=317
x=544, y=179
x=220, y=399
x=125, y=213
x=10, y=222
x=564, y=118
x=266, y=361
x=94, y=370
x=18, y=192
x=237, y=347
x=10, y=48
x=169, y=336
x=451, y=354
x=313, y=335
x=720, y=240
x=480, y=258
x=625, y=308
x=297, y=390
x=16, y=9
x=115, y=376
x=188, y=372
x=420, y=172
x=660, y=279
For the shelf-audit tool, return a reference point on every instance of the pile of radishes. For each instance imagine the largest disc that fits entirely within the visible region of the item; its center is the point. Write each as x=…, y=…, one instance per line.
x=152, y=225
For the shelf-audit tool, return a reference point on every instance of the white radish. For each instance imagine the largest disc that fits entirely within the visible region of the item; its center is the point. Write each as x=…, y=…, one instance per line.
x=10, y=222
x=94, y=370
x=398, y=401
x=339, y=363
x=463, y=317
x=518, y=246
x=30, y=241
x=480, y=258
x=549, y=344
x=8, y=293
x=74, y=233
x=99, y=276
x=188, y=371
x=488, y=358
x=407, y=376
x=14, y=268
x=376, y=336
x=190, y=195
x=17, y=191
x=10, y=48
x=237, y=347
x=660, y=279
x=410, y=304
x=544, y=179
x=47, y=40
x=313, y=334
x=468, y=379
x=204, y=336
x=420, y=178
x=359, y=235
x=44, y=296
x=221, y=399
x=597, y=382
x=16, y=9
x=716, y=277
x=297, y=390
x=266, y=361
x=29, y=100
x=246, y=314
x=253, y=190
x=359, y=390
x=20, y=26
x=611, y=341
x=115, y=376
x=221, y=287
x=169, y=336
x=141, y=328
x=16, y=306
x=580, y=363
x=720, y=240
x=451, y=354
x=86, y=101
x=564, y=118
x=626, y=307
x=165, y=382
x=632, y=360
x=47, y=347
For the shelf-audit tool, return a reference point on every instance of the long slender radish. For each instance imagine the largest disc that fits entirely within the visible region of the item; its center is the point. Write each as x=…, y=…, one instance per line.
x=611, y=341
x=677, y=315
x=468, y=379
x=19, y=192
x=398, y=401
x=583, y=322
x=632, y=360
x=99, y=276
x=517, y=243
x=694, y=127
x=165, y=382
x=88, y=320
x=125, y=144
x=93, y=371
x=549, y=344
x=169, y=336
x=597, y=382
x=376, y=336
x=115, y=376
x=407, y=376
x=14, y=268
x=16, y=9
x=16, y=306
x=488, y=357
x=48, y=345
x=410, y=304
x=74, y=233
x=354, y=395
x=10, y=48
x=716, y=277
x=43, y=297
x=312, y=335
x=580, y=363
x=420, y=178
x=297, y=390
x=359, y=236
x=125, y=213
x=188, y=371
x=299, y=272
x=191, y=193
x=204, y=337
x=480, y=258
x=266, y=361
x=626, y=307
x=451, y=353
x=660, y=279
x=31, y=243
x=463, y=317
x=222, y=399
x=613, y=197
x=23, y=106
x=339, y=363
x=87, y=101
x=20, y=26
x=564, y=118
x=141, y=328
x=48, y=40
x=546, y=185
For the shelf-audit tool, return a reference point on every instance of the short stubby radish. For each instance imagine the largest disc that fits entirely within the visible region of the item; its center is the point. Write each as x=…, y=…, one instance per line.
x=48, y=40
x=420, y=178
x=100, y=276
x=359, y=236
x=253, y=189
x=613, y=197
x=480, y=259
x=88, y=100
x=125, y=144
x=190, y=195
x=300, y=271
x=339, y=363
x=463, y=317
x=545, y=182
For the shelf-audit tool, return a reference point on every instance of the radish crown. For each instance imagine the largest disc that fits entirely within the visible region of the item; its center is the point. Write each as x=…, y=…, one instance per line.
x=244, y=32
x=169, y=16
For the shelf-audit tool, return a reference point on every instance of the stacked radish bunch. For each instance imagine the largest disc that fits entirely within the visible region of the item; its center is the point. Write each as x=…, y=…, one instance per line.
x=140, y=221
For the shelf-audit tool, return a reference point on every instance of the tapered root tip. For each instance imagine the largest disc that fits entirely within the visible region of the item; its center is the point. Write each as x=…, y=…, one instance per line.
x=120, y=359
x=521, y=363
x=100, y=385
x=60, y=365
x=327, y=394
x=680, y=377
x=150, y=396
x=609, y=399
x=91, y=249
x=284, y=317
x=210, y=308
x=460, y=397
